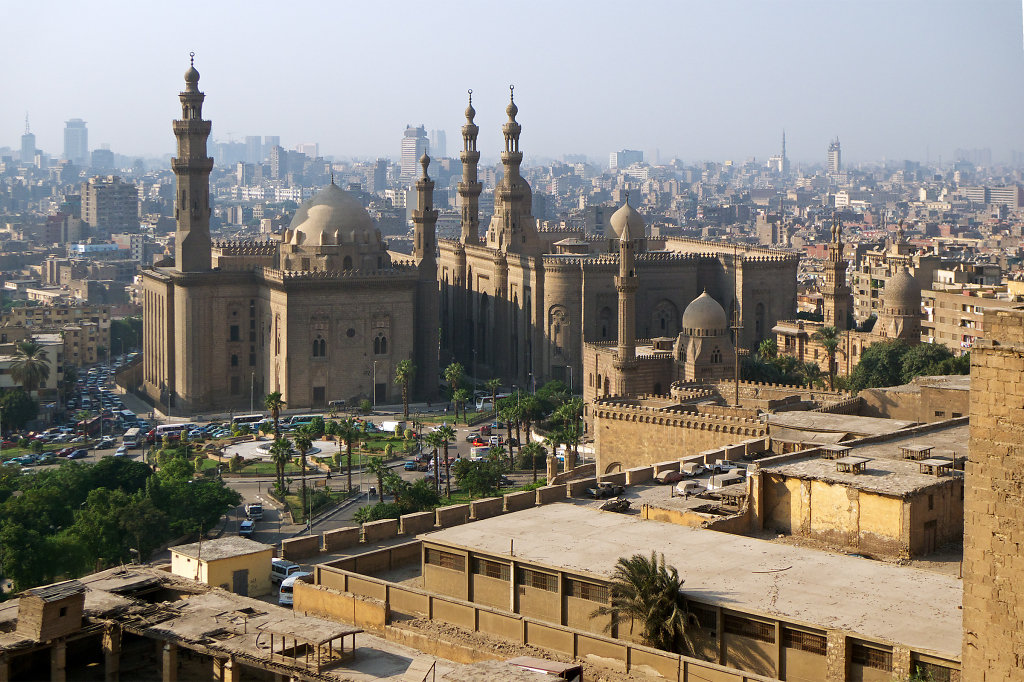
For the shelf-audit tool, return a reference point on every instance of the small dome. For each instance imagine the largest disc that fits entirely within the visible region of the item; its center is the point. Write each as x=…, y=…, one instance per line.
x=192, y=75
x=902, y=291
x=511, y=110
x=470, y=111
x=332, y=210
x=627, y=216
x=704, y=315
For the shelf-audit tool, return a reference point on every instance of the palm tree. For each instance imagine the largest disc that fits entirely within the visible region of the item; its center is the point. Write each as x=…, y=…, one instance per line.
x=768, y=349
x=376, y=467
x=493, y=385
x=349, y=431
x=812, y=374
x=829, y=339
x=303, y=443
x=532, y=450
x=571, y=413
x=273, y=402
x=434, y=440
x=647, y=593
x=446, y=433
x=404, y=372
x=509, y=413
x=280, y=453
x=529, y=412
x=460, y=397
x=31, y=366
x=555, y=438
x=453, y=375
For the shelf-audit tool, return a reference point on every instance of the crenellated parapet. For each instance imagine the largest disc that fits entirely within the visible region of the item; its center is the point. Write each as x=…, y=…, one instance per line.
x=675, y=416
x=246, y=247
x=386, y=274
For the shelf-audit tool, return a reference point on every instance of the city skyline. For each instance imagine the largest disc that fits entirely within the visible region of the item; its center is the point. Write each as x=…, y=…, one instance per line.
x=910, y=80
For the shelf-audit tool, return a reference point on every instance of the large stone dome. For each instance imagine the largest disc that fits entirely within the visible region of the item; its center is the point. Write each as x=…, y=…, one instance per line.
x=902, y=293
x=627, y=216
x=333, y=211
x=704, y=317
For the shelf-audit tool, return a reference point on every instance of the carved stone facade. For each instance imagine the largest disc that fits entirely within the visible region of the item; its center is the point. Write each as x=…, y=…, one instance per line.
x=321, y=313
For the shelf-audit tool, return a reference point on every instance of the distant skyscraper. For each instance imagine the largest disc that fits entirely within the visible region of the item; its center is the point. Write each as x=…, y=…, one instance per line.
x=310, y=149
x=414, y=145
x=253, y=149
x=270, y=141
x=439, y=144
x=380, y=176
x=76, y=141
x=278, y=163
x=624, y=159
x=102, y=159
x=28, y=145
x=111, y=204
x=835, y=157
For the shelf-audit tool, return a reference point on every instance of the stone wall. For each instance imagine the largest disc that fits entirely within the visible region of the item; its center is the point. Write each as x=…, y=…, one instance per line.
x=994, y=493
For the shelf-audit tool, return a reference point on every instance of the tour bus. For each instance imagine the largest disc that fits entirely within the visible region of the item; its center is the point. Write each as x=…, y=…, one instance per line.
x=132, y=437
x=250, y=419
x=302, y=419
x=484, y=402
x=172, y=430
x=127, y=417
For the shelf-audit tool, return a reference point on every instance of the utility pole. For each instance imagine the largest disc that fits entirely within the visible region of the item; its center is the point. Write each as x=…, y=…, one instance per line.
x=737, y=327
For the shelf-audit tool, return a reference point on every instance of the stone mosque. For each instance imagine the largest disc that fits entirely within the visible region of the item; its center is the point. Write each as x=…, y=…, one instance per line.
x=324, y=312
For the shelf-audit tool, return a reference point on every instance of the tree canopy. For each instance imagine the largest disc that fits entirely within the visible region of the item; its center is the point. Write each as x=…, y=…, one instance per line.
x=17, y=408
x=891, y=363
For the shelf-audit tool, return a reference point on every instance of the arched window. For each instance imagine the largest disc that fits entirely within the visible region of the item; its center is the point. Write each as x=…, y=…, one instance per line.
x=380, y=345
x=347, y=263
x=323, y=348
x=234, y=361
x=319, y=347
x=716, y=356
x=605, y=323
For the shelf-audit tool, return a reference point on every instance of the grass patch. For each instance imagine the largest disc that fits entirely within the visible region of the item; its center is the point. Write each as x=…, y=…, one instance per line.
x=319, y=498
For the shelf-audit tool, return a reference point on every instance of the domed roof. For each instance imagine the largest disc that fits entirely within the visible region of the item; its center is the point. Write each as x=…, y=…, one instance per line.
x=332, y=210
x=627, y=216
x=705, y=314
x=192, y=75
x=902, y=291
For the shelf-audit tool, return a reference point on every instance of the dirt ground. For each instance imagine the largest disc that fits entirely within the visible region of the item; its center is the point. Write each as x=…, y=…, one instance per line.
x=504, y=649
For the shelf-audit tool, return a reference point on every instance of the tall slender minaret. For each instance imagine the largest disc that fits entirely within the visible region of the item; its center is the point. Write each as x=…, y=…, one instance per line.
x=626, y=285
x=836, y=292
x=785, y=161
x=192, y=248
x=426, y=314
x=469, y=187
x=513, y=227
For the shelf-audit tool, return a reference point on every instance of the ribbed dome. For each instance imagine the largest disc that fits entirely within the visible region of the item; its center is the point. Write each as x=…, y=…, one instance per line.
x=902, y=291
x=626, y=215
x=332, y=210
x=704, y=315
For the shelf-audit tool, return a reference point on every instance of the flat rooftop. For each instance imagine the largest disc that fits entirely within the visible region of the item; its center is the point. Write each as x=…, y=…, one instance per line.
x=824, y=422
x=902, y=605
x=222, y=548
x=887, y=473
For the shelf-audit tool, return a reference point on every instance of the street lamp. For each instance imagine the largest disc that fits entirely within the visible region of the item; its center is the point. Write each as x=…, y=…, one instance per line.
x=373, y=389
x=252, y=392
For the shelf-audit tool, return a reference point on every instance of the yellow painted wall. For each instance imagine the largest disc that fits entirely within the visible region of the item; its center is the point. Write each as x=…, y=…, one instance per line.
x=492, y=592
x=832, y=511
x=881, y=515
x=781, y=503
x=220, y=572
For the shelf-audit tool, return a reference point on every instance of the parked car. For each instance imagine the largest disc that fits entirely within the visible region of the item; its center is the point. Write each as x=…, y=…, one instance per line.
x=281, y=569
x=472, y=436
x=692, y=469
x=687, y=488
x=79, y=453
x=604, y=489
x=410, y=465
x=105, y=442
x=721, y=466
x=669, y=477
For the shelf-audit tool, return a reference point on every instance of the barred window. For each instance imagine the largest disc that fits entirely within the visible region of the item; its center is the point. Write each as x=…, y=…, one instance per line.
x=491, y=569
x=436, y=557
x=934, y=672
x=745, y=627
x=588, y=591
x=870, y=657
x=706, y=616
x=542, y=581
x=804, y=641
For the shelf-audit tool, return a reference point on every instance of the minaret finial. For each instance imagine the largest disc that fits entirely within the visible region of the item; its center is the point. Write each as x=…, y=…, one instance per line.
x=470, y=91
x=332, y=176
x=511, y=93
x=191, y=58
x=627, y=196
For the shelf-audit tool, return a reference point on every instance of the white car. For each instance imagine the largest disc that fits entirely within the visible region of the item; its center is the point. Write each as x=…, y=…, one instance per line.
x=121, y=452
x=723, y=466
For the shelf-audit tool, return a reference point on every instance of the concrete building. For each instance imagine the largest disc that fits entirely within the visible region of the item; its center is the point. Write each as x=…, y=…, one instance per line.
x=834, y=159
x=76, y=142
x=896, y=496
x=624, y=159
x=110, y=204
x=759, y=604
x=233, y=563
x=414, y=145
x=925, y=399
x=954, y=314
x=321, y=312
x=28, y=145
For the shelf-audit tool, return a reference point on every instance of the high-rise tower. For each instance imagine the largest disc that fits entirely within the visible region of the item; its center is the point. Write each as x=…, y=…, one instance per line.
x=424, y=219
x=785, y=159
x=192, y=168
x=835, y=157
x=469, y=187
x=28, y=144
x=836, y=292
x=76, y=141
x=414, y=145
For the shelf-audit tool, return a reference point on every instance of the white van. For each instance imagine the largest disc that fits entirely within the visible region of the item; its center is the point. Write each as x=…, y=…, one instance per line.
x=281, y=569
x=284, y=597
x=390, y=426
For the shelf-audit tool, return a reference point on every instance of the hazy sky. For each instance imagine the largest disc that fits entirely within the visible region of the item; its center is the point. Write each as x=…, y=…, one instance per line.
x=697, y=79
